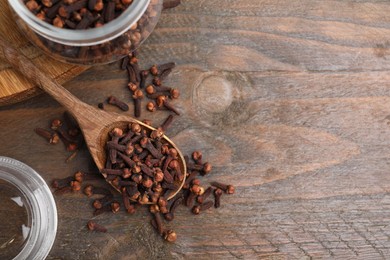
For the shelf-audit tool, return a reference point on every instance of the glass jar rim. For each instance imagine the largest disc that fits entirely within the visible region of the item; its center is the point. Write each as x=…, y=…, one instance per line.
x=85, y=37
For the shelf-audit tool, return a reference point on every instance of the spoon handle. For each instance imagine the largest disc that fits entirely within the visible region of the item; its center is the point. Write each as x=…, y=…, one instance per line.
x=29, y=70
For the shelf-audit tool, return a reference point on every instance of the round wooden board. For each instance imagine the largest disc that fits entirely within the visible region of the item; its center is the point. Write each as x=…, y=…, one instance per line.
x=13, y=86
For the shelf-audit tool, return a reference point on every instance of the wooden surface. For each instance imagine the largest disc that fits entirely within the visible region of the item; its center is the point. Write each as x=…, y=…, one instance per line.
x=14, y=87
x=289, y=100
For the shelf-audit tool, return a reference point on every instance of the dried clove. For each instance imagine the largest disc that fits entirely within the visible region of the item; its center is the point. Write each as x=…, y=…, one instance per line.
x=99, y=203
x=202, y=207
x=229, y=189
x=116, y=102
x=93, y=226
x=217, y=195
x=168, y=4
x=90, y=190
x=175, y=204
x=60, y=183
x=167, y=123
x=201, y=198
x=51, y=137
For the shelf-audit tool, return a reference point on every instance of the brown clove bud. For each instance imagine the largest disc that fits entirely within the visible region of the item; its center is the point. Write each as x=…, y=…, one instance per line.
x=116, y=102
x=51, y=137
x=202, y=207
x=229, y=189
x=93, y=226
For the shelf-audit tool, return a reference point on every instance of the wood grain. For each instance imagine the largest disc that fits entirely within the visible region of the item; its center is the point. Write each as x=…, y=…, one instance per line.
x=289, y=100
x=13, y=86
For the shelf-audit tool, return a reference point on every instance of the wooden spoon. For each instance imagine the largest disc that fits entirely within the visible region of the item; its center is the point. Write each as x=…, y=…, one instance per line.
x=94, y=123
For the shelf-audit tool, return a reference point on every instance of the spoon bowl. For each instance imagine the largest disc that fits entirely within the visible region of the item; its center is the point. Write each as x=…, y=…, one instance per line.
x=94, y=123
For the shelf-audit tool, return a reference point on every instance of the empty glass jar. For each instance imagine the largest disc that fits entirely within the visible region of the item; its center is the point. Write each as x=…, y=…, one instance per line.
x=28, y=213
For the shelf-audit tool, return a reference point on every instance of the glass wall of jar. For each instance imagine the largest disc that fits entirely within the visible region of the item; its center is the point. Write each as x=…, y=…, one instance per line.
x=104, y=44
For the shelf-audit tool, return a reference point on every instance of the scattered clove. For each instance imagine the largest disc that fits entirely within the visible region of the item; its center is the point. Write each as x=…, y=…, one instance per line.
x=93, y=226
x=116, y=102
x=51, y=137
x=229, y=189
x=168, y=4
x=202, y=207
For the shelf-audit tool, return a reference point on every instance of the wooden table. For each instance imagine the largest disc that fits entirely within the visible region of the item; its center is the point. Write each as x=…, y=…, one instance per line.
x=289, y=100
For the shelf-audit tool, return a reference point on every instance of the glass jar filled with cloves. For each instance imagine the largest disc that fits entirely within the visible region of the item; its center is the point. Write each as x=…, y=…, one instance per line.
x=87, y=32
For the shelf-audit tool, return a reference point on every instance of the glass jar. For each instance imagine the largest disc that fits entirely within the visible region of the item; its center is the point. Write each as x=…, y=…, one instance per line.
x=105, y=44
x=28, y=212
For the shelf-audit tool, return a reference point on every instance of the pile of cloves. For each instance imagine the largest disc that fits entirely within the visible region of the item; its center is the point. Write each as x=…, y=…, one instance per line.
x=77, y=14
x=66, y=130
x=149, y=81
x=193, y=195
x=142, y=165
x=148, y=189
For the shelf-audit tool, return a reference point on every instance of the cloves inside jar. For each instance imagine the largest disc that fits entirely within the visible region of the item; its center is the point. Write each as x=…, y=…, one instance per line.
x=77, y=15
x=87, y=31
